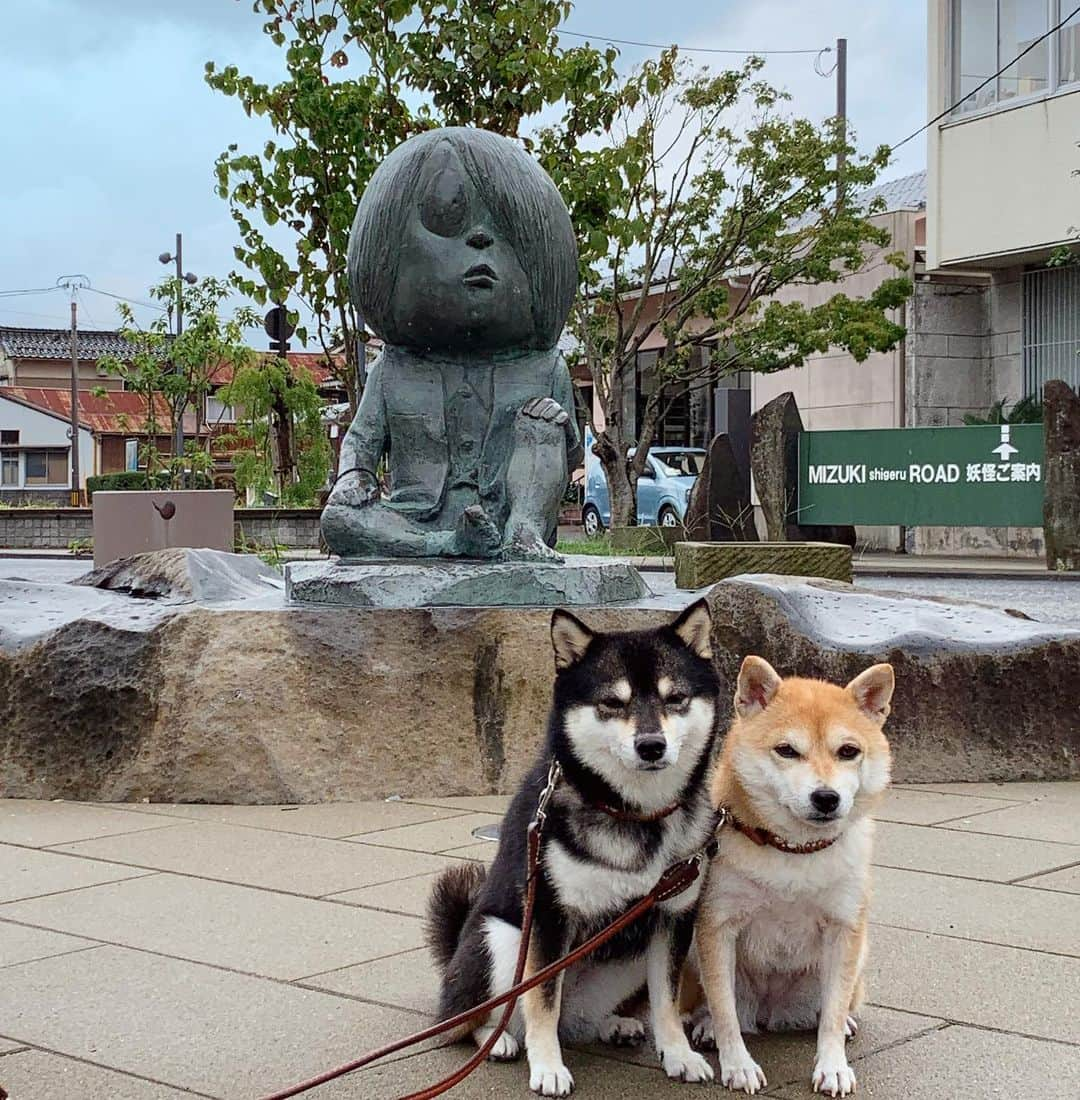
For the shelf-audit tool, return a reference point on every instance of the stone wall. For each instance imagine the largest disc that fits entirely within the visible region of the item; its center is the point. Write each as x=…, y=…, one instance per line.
x=293, y=528
x=44, y=528
x=55, y=528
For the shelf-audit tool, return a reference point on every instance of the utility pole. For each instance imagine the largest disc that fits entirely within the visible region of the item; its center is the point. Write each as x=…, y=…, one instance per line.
x=841, y=114
x=181, y=278
x=74, y=283
x=76, y=490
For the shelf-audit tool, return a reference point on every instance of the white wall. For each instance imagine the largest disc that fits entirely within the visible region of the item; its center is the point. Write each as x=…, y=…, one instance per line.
x=1000, y=185
x=38, y=429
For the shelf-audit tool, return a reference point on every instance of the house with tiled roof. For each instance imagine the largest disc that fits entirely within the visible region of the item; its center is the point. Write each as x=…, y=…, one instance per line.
x=35, y=438
x=41, y=357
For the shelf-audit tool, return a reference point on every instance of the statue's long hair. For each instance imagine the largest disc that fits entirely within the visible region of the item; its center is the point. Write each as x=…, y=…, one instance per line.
x=526, y=206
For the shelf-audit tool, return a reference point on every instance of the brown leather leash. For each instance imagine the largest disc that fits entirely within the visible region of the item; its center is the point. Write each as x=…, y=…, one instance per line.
x=675, y=879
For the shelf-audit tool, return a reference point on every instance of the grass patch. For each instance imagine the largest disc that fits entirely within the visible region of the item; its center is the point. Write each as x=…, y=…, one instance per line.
x=601, y=547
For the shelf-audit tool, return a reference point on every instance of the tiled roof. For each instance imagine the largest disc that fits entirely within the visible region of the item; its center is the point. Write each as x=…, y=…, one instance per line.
x=114, y=412
x=55, y=343
x=905, y=193
x=316, y=363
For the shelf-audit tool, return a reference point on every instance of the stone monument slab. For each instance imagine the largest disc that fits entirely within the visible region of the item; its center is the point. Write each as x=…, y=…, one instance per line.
x=580, y=581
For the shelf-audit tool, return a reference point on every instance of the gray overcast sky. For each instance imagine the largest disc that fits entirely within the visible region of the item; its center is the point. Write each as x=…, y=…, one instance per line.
x=110, y=133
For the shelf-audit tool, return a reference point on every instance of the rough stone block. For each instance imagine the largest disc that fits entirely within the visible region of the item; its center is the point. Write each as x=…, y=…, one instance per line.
x=698, y=564
x=1061, y=505
x=448, y=583
x=966, y=347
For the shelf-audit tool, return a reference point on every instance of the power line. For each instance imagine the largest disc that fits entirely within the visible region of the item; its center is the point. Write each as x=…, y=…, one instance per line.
x=36, y=290
x=974, y=91
x=130, y=301
x=684, y=49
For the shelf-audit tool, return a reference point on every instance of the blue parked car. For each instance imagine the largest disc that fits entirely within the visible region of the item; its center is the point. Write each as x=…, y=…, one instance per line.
x=662, y=489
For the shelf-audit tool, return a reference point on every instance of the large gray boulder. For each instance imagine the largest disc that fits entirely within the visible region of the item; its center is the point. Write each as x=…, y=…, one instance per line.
x=109, y=697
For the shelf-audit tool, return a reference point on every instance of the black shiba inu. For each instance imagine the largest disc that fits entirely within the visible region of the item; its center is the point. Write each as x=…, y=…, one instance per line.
x=633, y=726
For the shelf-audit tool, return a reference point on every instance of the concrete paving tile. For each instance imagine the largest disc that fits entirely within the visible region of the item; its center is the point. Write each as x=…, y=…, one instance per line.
x=276, y=935
x=409, y=895
x=434, y=836
x=25, y=873
x=1009, y=915
x=963, y=1063
x=788, y=1056
x=482, y=850
x=479, y=803
x=19, y=944
x=327, y=819
x=975, y=983
x=40, y=824
x=928, y=807
x=595, y=1077
x=191, y=1026
x=277, y=861
x=1063, y=791
x=410, y=980
x=7, y=1046
x=1056, y=822
x=36, y=1075
x=1067, y=880
x=966, y=855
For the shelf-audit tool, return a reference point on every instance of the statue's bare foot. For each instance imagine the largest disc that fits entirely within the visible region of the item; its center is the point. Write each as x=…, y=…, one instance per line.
x=525, y=544
x=476, y=536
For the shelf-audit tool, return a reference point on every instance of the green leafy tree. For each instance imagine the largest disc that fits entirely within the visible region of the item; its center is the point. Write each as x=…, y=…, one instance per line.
x=181, y=369
x=362, y=76
x=280, y=442
x=714, y=202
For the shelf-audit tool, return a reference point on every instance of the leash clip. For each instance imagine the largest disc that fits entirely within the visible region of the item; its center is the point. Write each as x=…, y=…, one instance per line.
x=554, y=775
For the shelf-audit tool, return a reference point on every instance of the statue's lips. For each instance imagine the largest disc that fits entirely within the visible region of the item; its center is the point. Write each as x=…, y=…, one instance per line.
x=480, y=276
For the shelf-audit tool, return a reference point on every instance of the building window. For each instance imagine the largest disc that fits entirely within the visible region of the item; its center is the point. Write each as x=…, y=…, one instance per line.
x=217, y=412
x=1068, y=45
x=1050, y=333
x=9, y=469
x=46, y=467
x=9, y=437
x=987, y=34
x=131, y=454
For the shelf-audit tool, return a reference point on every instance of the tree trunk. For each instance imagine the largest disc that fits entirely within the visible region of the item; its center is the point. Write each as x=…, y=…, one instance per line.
x=622, y=494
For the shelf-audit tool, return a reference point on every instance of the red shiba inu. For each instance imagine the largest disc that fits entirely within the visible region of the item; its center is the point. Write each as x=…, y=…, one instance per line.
x=781, y=933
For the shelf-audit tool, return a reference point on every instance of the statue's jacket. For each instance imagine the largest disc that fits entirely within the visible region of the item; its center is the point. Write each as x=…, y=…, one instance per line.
x=403, y=414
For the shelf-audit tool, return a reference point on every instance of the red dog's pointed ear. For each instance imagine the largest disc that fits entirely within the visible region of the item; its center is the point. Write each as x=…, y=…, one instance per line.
x=873, y=690
x=570, y=637
x=757, y=687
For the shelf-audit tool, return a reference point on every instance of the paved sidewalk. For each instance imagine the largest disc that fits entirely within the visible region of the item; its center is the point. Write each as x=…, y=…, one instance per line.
x=155, y=952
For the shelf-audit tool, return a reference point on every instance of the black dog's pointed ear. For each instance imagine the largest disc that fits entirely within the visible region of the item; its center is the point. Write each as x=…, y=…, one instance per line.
x=694, y=627
x=570, y=637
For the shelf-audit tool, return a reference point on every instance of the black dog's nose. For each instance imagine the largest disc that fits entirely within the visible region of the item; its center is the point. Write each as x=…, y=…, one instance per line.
x=825, y=800
x=650, y=749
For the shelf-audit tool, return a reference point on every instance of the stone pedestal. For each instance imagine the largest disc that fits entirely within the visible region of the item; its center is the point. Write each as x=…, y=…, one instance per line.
x=581, y=581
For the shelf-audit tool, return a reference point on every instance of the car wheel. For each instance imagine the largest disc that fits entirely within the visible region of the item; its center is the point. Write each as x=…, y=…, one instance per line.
x=591, y=521
x=668, y=516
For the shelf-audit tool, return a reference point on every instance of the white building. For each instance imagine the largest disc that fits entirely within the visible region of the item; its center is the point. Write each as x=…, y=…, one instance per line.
x=35, y=453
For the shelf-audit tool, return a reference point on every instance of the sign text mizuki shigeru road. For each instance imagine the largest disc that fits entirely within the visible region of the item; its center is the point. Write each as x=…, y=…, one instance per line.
x=985, y=476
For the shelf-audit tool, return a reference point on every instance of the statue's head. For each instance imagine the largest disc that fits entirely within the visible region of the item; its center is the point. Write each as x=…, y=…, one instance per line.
x=462, y=243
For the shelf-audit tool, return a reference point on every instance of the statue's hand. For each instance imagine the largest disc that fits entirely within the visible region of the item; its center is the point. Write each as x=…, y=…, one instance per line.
x=546, y=408
x=355, y=490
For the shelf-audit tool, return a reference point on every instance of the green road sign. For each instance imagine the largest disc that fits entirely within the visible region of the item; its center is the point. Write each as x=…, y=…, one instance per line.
x=984, y=476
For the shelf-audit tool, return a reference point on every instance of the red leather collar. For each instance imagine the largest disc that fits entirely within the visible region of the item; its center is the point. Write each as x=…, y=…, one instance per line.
x=763, y=838
x=629, y=815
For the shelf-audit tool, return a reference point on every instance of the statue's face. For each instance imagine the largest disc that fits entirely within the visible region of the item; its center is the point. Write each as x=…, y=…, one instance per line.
x=459, y=287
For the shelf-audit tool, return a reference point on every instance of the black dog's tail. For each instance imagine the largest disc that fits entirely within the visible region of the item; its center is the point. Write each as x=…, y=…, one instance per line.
x=452, y=898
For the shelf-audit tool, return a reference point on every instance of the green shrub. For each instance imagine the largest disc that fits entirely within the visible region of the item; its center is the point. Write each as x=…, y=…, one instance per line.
x=137, y=479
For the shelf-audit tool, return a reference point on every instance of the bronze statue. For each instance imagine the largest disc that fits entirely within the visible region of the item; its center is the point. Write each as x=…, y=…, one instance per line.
x=462, y=259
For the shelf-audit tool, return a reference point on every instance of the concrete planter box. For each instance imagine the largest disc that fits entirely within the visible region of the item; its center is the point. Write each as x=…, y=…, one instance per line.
x=132, y=522
x=698, y=564
x=645, y=540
